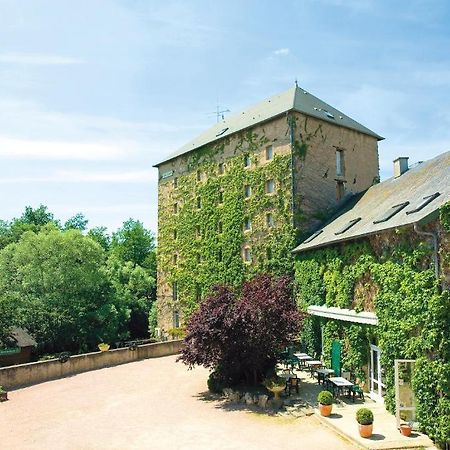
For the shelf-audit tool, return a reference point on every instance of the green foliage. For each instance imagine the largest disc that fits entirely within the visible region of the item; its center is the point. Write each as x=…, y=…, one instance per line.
x=445, y=216
x=395, y=278
x=206, y=257
x=177, y=333
x=76, y=222
x=274, y=382
x=364, y=416
x=325, y=398
x=216, y=382
x=101, y=236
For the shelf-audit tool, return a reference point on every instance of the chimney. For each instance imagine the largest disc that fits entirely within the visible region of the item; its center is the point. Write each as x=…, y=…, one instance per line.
x=400, y=165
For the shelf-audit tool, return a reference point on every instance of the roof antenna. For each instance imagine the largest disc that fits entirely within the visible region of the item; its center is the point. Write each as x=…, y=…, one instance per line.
x=220, y=114
x=296, y=83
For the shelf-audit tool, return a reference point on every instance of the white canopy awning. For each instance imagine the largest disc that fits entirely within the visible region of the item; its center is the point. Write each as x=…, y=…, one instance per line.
x=347, y=315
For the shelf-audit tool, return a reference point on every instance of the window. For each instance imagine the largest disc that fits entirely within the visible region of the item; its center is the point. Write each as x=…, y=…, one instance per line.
x=220, y=227
x=391, y=212
x=175, y=182
x=247, y=161
x=269, y=153
x=198, y=231
x=269, y=220
x=174, y=291
x=247, y=254
x=199, y=202
x=176, y=319
x=423, y=203
x=220, y=197
x=348, y=225
x=175, y=235
x=247, y=224
x=339, y=163
x=221, y=169
x=340, y=189
x=175, y=259
x=248, y=191
x=175, y=208
x=270, y=186
x=269, y=254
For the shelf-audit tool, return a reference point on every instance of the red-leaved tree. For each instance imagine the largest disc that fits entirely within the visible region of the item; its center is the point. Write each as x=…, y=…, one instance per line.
x=239, y=336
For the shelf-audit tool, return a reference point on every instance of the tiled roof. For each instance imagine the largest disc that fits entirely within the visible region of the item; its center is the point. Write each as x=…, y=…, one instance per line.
x=294, y=99
x=415, y=196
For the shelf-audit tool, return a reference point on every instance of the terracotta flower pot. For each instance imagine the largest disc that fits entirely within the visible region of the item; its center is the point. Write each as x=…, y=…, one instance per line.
x=405, y=429
x=365, y=431
x=325, y=410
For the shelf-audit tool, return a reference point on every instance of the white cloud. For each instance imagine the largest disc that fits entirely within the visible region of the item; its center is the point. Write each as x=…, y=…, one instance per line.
x=80, y=176
x=281, y=52
x=38, y=59
x=59, y=150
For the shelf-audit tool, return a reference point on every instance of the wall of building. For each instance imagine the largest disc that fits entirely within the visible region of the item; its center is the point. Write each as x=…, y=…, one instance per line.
x=315, y=177
x=33, y=373
x=193, y=261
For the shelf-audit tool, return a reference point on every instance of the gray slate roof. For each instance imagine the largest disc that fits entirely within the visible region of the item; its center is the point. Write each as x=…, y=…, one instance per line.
x=423, y=180
x=294, y=99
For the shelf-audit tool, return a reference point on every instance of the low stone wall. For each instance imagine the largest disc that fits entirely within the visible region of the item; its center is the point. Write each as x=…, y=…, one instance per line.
x=38, y=372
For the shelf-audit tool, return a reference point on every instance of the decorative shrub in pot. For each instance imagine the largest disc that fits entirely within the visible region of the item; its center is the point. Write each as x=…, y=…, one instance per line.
x=325, y=399
x=406, y=429
x=364, y=417
x=103, y=347
x=276, y=385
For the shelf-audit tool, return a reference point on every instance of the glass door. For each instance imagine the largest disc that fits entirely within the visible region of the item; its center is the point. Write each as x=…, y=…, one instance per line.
x=376, y=374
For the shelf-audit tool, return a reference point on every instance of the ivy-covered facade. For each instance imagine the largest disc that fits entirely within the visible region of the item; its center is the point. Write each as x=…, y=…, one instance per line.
x=399, y=275
x=237, y=200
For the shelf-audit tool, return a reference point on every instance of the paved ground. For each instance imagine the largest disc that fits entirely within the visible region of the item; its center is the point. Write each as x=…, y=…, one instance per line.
x=150, y=404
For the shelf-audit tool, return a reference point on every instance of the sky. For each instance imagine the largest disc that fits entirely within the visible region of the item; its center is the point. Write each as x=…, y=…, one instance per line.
x=94, y=92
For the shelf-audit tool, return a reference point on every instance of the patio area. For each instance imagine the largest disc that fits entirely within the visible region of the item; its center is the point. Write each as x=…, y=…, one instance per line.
x=342, y=420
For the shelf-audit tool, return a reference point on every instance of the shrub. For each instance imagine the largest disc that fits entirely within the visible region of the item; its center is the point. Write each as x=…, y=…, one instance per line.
x=325, y=398
x=364, y=416
x=241, y=335
x=2, y=391
x=269, y=383
x=177, y=333
x=216, y=382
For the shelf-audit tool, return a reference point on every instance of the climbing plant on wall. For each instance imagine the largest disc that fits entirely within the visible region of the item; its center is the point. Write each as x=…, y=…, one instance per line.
x=209, y=222
x=395, y=278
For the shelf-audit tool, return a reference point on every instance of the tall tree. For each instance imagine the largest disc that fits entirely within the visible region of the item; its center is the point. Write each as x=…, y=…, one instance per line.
x=76, y=222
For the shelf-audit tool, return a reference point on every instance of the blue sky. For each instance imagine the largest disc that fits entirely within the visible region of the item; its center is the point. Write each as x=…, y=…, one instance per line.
x=93, y=92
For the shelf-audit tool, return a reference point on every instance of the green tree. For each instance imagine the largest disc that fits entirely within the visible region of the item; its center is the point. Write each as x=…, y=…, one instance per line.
x=101, y=236
x=60, y=289
x=76, y=222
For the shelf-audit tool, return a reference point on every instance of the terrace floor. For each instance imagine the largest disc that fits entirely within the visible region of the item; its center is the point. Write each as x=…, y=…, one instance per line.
x=150, y=404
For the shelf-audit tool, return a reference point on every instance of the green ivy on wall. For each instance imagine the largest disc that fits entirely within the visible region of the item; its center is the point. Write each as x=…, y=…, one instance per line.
x=209, y=239
x=397, y=280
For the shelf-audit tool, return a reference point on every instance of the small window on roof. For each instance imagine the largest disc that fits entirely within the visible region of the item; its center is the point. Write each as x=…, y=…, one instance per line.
x=391, y=212
x=313, y=236
x=424, y=202
x=221, y=132
x=348, y=225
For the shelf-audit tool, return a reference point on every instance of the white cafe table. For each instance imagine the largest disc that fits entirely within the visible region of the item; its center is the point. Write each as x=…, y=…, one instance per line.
x=340, y=383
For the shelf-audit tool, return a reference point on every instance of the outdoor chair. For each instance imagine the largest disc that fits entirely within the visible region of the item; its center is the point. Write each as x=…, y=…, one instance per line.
x=292, y=383
x=357, y=390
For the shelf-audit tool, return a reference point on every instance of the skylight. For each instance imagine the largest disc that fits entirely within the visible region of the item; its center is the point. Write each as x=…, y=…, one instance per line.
x=348, y=225
x=313, y=236
x=391, y=212
x=221, y=132
x=425, y=201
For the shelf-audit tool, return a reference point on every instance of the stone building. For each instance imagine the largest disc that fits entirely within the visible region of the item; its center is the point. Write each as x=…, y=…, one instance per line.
x=235, y=200
x=375, y=281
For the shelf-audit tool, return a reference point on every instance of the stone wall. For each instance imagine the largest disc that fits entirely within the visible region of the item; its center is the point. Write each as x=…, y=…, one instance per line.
x=33, y=373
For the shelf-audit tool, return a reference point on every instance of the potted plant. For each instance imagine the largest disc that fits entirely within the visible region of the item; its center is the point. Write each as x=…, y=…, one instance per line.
x=325, y=399
x=364, y=417
x=406, y=428
x=103, y=347
x=3, y=395
x=276, y=385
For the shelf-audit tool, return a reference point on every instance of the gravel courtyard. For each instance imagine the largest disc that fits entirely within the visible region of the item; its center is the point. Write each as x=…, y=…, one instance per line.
x=150, y=404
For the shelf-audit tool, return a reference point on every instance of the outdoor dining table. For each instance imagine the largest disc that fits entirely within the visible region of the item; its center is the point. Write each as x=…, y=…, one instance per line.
x=322, y=374
x=302, y=358
x=302, y=355
x=339, y=384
